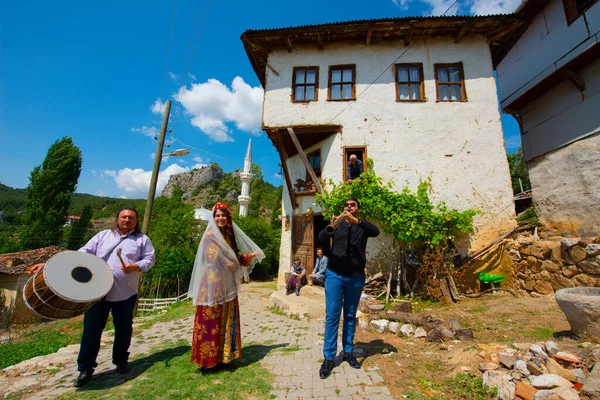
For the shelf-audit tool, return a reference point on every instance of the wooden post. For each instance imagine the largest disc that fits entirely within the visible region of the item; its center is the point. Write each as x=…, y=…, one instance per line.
x=304, y=159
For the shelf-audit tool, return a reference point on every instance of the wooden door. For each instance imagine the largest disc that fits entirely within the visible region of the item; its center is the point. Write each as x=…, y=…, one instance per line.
x=302, y=239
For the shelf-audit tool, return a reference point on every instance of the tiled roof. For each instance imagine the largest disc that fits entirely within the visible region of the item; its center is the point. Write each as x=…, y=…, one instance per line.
x=16, y=263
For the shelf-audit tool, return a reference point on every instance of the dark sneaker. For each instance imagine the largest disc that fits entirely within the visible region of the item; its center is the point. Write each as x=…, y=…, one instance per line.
x=122, y=369
x=351, y=360
x=288, y=292
x=326, y=368
x=84, y=377
x=297, y=292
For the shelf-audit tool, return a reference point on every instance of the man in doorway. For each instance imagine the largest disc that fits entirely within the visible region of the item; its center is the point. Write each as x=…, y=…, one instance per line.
x=138, y=257
x=318, y=275
x=345, y=281
x=355, y=168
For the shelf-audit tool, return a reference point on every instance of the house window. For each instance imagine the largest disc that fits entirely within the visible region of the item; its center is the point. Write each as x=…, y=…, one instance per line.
x=314, y=159
x=305, y=83
x=409, y=82
x=361, y=155
x=342, y=79
x=450, y=82
x=575, y=8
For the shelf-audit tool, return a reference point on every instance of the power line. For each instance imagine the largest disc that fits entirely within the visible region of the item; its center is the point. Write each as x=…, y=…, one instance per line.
x=384, y=71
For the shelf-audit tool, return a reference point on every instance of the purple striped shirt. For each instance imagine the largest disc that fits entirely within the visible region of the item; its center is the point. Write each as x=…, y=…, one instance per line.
x=135, y=249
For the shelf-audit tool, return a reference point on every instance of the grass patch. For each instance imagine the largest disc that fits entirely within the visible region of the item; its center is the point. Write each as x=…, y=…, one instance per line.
x=267, y=285
x=180, y=310
x=481, y=308
x=539, y=333
x=288, y=349
x=277, y=311
x=419, y=304
x=462, y=386
x=168, y=374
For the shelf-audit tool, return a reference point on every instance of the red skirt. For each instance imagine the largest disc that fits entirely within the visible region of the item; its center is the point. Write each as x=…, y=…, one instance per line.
x=217, y=335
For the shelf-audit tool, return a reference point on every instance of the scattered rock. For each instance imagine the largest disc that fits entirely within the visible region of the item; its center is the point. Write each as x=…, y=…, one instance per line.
x=420, y=333
x=438, y=334
x=581, y=306
x=591, y=386
x=538, y=351
x=502, y=381
x=596, y=354
x=407, y=329
x=488, y=367
x=570, y=271
x=376, y=307
x=551, y=347
x=507, y=360
x=453, y=324
x=536, y=367
x=557, y=394
x=592, y=249
x=393, y=327
x=557, y=369
x=568, y=243
x=380, y=325
x=549, y=381
x=465, y=334
x=525, y=391
x=521, y=368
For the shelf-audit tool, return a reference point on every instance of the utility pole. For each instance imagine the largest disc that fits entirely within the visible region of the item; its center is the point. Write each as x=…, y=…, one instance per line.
x=155, y=171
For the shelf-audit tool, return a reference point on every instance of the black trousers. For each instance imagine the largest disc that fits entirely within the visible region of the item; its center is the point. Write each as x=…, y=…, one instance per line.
x=94, y=322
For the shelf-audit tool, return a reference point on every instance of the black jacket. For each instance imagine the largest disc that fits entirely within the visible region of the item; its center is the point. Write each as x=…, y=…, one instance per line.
x=347, y=253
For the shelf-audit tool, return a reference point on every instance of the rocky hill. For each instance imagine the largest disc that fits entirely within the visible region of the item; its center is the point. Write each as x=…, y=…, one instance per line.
x=194, y=181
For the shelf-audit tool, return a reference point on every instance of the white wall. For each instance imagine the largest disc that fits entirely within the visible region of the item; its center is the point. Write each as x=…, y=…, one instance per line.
x=548, y=44
x=562, y=115
x=459, y=145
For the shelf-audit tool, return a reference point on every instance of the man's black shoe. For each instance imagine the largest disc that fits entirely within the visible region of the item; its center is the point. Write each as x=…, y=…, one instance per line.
x=84, y=377
x=122, y=369
x=297, y=292
x=351, y=360
x=288, y=292
x=326, y=368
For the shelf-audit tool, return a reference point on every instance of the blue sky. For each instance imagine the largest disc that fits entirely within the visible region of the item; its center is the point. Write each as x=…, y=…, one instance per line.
x=98, y=72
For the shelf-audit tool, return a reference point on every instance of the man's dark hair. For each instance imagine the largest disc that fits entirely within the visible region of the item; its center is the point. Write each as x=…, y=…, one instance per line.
x=137, y=216
x=353, y=199
x=318, y=248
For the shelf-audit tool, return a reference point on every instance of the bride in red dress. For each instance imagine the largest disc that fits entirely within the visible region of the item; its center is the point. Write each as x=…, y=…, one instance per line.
x=225, y=256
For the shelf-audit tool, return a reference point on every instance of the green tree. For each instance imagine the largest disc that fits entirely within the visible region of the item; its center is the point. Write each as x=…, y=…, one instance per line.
x=78, y=234
x=51, y=185
x=174, y=233
x=268, y=239
x=518, y=170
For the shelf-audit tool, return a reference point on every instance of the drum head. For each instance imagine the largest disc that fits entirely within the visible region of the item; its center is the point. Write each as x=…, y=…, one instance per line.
x=78, y=276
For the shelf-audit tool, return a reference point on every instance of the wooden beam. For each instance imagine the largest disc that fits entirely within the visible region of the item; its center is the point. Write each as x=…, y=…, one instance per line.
x=462, y=32
x=369, y=34
x=304, y=159
x=283, y=157
x=409, y=35
x=255, y=44
x=504, y=30
x=320, y=41
x=288, y=44
x=273, y=70
x=575, y=78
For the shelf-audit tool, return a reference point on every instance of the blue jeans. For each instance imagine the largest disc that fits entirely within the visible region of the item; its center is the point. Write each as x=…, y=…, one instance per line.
x=94, y=322
x=341, y=292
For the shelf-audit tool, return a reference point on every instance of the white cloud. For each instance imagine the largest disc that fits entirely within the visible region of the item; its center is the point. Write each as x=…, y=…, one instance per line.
x=192, y=77
x=100, y=193
x=158, y=107
x=198, y=159
x=135, y=182
x=152, y=155
x=173, y=77
x=148, y=131
x=213, y=105
x=484, y=7
x=473, y=7
x=198, y=166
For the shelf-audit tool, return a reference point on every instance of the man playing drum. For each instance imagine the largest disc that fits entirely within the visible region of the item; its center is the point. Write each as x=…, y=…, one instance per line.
x=137, y=254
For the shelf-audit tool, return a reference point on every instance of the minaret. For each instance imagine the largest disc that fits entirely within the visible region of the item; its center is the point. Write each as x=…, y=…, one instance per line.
x=246, y=177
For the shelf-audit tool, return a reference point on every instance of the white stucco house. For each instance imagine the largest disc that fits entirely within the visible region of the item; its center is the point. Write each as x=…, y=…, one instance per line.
x=417, y=95
x=549, y=81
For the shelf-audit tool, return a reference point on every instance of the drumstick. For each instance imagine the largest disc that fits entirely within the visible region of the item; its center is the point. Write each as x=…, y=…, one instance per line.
x=119, y=255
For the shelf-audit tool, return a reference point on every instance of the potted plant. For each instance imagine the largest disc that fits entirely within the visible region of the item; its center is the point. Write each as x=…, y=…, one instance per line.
x=299, y=185
x=309, y=186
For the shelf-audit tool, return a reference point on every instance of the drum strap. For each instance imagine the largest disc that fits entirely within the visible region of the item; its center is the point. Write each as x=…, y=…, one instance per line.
x=108, y=253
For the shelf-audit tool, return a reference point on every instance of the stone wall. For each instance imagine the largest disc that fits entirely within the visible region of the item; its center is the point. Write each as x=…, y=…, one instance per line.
x=543, y=266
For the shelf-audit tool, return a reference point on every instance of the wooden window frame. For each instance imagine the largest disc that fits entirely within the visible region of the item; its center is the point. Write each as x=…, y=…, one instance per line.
x=409, y=83
x=573, y=11
x=342, y=67
x=463, y=90
x=320, y=164
x=294, y=84
x=345, y=154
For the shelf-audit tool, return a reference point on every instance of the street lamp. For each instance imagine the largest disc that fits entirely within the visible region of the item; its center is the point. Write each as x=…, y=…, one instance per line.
x=178, y=153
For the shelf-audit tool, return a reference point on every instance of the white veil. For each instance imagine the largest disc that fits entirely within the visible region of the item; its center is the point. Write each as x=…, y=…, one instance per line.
x=217, y=274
